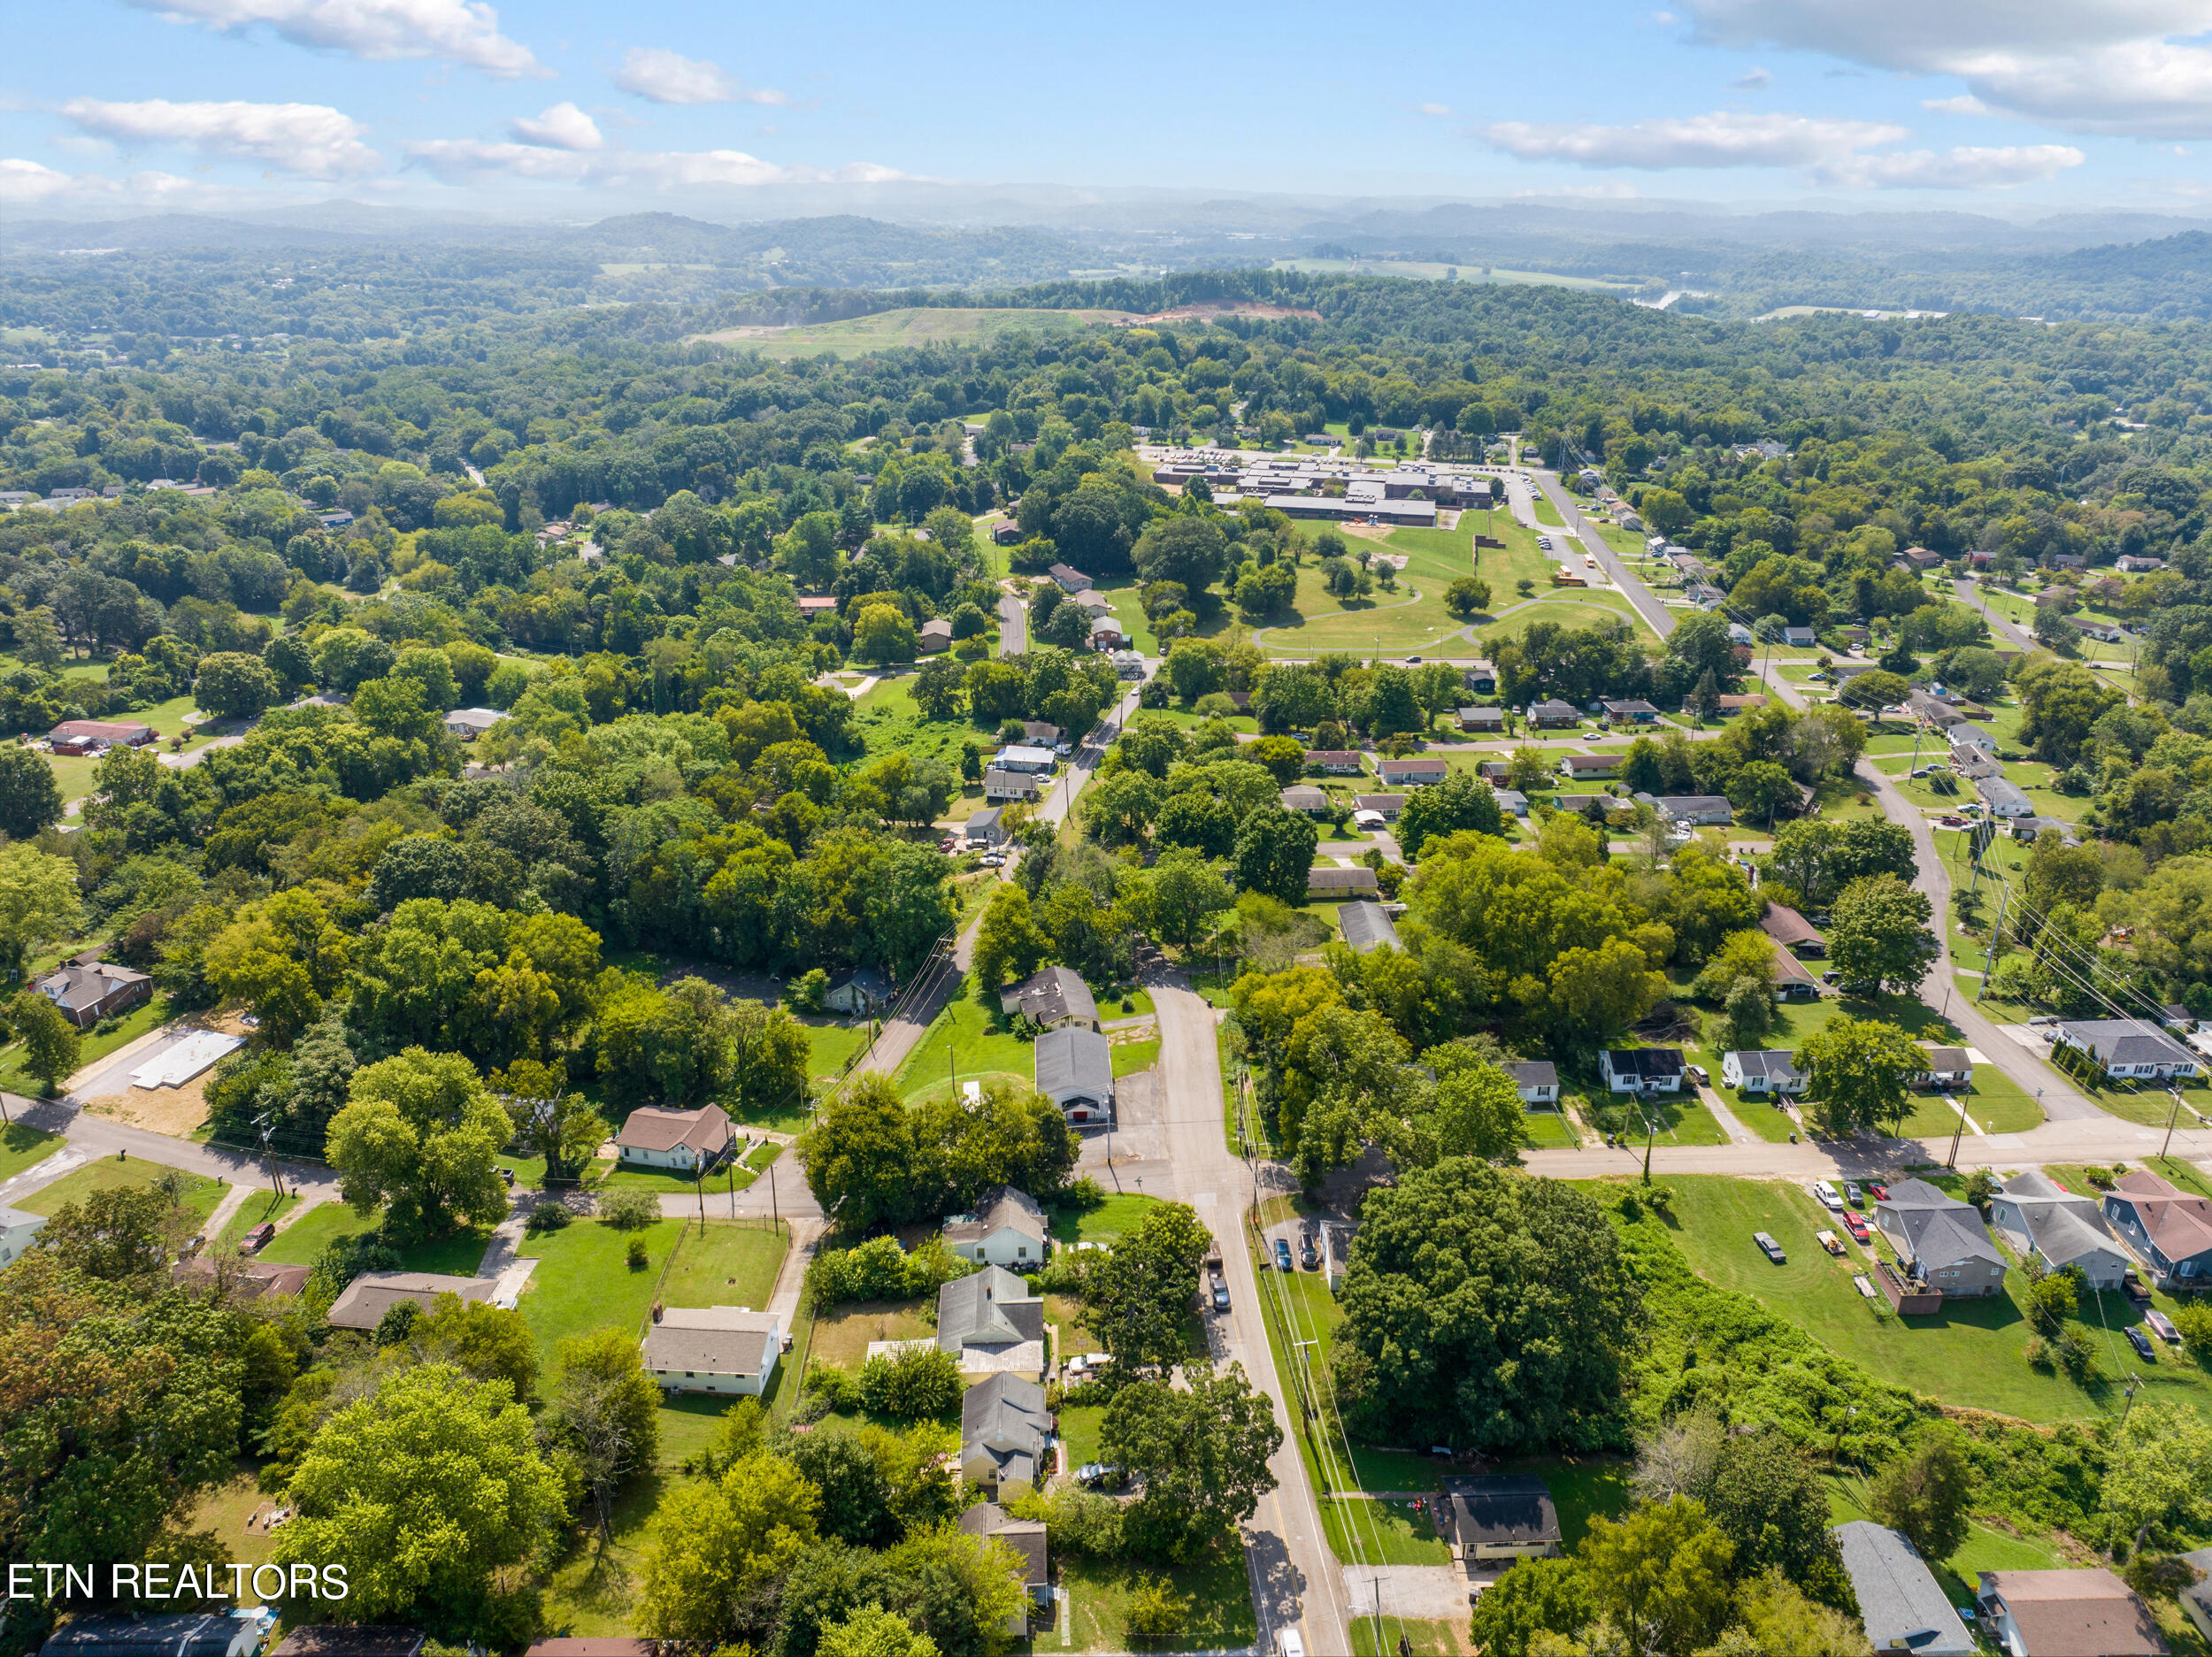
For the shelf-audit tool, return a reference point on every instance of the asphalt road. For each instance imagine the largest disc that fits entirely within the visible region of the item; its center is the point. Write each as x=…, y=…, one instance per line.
x=1296, y=1579
x=1660, y=618
x=1971, y=596
x=1013, y=626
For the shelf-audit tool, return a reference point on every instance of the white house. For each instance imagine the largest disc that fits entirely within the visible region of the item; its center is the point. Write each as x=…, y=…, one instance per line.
x=856, y=990
x=684, y=1139
x=1947, y=1067
x=2060, y=1228
x=1007, y=1229
x=2129, y=1046
x=468, y=724
x=1762, y=1071
x=17, y=1229
x=1002, y=787
x=2003, y=797
x=1021, y=756
x=1537, y=1084
x=1642, y=1069
x=713, y=1349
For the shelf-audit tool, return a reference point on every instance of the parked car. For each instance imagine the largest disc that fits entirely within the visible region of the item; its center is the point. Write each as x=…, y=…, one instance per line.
x=1308, y=1257
x=1413, y=661
x=1855, y=1224
x=2132, y=1287
x=1877, y=1190
x=1221, y=1292
x=1825, y=1194
x=1282, y=1256
x=1831, y=977
x=256, y=1239
x=1699, y=1074
x=2163, y=1326
x=1830, y=1241
x=1095, y=1474
x=1851, y=1194
x=2141, y=1342
x=1771, y=1249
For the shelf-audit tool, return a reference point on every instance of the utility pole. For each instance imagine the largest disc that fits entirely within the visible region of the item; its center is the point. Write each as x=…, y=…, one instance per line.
x=1952, y=1161
x=2172, y=1116
x=1651, y=1133
x=1996, y=937
x=775, y=1214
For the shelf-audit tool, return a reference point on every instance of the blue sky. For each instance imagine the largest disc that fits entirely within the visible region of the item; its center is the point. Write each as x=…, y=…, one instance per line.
x=571, y=110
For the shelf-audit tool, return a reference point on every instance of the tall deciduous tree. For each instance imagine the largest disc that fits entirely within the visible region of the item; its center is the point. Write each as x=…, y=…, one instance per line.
x=30, y=799
x=1859, y=1072
x=859, y=1153
x=1138, y=1296
x=38, y=902
x=1274, y=853
x=1878, y=936
x=50, y=1042
x=1201, y=1451
x=1926, y=1492
x=2159, y=1473
x=711, y=1547
x=1661, y=1575
x=421, y=1133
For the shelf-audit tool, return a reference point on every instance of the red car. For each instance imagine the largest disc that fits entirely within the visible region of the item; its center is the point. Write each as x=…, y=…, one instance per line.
x=1854, y=1223
x=1878, y=1191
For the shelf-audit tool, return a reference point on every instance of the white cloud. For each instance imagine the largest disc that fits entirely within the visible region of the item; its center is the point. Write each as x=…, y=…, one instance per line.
x=452, y=31
x=1965, y=104
x=463, y=159
x=563, y=126
x=1725, y=139
x=24, y=183
x=666, y=77
x=1974, y=168
x=311, y=140
x=1754, y=80
x=2123, y=67
x=1432, y=109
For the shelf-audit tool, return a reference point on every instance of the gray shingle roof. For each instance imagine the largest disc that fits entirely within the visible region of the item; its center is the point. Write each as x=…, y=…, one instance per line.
x=2064, y=1227
x=1898, y=1594
x=1072, y=1059
x=992, y=1308
x=2127, y=1041
x=1366, y=927
x=372, y=1294
x=1006, y=1419
x=1941, y=1230
x=1001, y=1206
x=1050, y=993
x=1533, y=1075
x=1506, y=1510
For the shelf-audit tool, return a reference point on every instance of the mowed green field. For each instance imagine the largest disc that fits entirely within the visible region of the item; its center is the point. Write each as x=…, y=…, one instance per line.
x=911, y=325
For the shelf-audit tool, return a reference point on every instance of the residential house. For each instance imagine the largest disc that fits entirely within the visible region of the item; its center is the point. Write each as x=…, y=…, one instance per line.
x=96, y=736
x=591, y=1645
x=1738, y=633
x=1024, y=757
x=17, y=1230
x=1554, y=715
x=1050, y=997
x=238, y=1280
x=2138, y=563
x=1630, y=712
x=1092, y=600
x=1006, y=532
x=1921, y=558
x=1128, y=664
x=372, y=1294
x=689, y=1141
x=1762, y=1071
x=1106, y=633
x=1075, y=1069
x=1335, y=762
x=1793, y=981
x=1901, y=1606
x=855, y=990
x=1385, y=806
x=1325, y=881
x=2066, y=1614
x=1070, y=578
x=87, y=992
x=1799, y=637
x=2089, y=627
x=1005, y=1434
x=1366, y=926
x=1974, y=753
x=1481, y=677
x=2174, y=1015
x=1942, y=1240
x=1587, y=767
x=1580, y=804
x=2129, y=1047
x=810, y=608
x=1537, y=1082
x=1745, y=703
x=1511, y=799
x=1306, y=798
x=1642, y=1070
x=987, y=828
x=992, y=1323
x=2169, y=1228
x=1704, y=595
x=1506, y=1516
x=1792, y=931
x=934, y=636
x=191, y=1634
x=1700, y=811
x=468, y=724
x=1008, y=787
x=2003, y=797
x=1493, y=771
x=1947, y=1067
x=713, y=1349
x=2061, y=1228
x=1026, y=1539
x=1040, y=733
x=1007, y=1229
x=1414, y=770
x=1482, y=721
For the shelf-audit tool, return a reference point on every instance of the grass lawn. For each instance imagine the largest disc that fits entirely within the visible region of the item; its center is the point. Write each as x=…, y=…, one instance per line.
x=1382, y=1532
x=975, y=1039
x=23, y=1146
x=95, y=1045
x=1117, y=1216
x=1548, y=1128
x=197, y=1194
x=735, y=1263
x=457, y=1254
x=1679, y=1118
x=1080, y=1426
x=1131, y=1056
x=583, y=1281
x=886, y=719
x=302, y=1242
x=833, y=1045
x=260, y=1207
x=1968, y=1356
x=1374, y=1639
x=843, y=1333
x=1098, y=1604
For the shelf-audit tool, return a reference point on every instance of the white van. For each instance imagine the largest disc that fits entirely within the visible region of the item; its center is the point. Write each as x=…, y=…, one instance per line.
x=1287, y=1643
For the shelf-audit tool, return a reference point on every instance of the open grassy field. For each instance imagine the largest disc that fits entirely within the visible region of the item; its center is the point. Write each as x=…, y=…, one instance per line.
x=196, y=1194
x=1099, y=1593
x=583, y=1282
x=1431, y=270
x=261, y=1208
x=888, y=721
x=1969, y=1354
x=731, y=1263
x=300, y=1243
x=968, y=1040
x=1117, y=1216
x=22, y=1146
x=910, y=325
